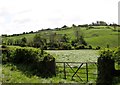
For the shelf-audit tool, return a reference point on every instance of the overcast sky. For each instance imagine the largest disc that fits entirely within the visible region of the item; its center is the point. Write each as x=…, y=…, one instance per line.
x=18, y=16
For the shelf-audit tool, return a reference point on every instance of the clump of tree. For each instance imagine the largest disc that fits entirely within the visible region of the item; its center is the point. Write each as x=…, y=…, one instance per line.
x=39, y=42
x=99, y=23
x=79, y=41
x=23, y=41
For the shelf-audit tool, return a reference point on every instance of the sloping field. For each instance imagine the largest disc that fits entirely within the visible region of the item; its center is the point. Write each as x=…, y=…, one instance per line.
x=74, y=55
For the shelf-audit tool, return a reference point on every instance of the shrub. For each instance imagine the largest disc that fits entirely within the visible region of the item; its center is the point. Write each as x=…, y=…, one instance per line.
x=98, y=47
x=90, y=47
x=65, y=46
x=7, y=55
x=105, y=67
x=43, y=65
x=113, y=54
x=80, y=47
x=108, y=53
x=3, y=46
x=116, y=54
x=26, y=55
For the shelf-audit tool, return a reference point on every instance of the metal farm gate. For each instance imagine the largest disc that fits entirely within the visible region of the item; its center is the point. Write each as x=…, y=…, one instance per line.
x=77, y=71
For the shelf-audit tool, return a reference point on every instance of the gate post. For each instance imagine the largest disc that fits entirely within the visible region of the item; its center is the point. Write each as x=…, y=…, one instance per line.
x=64, y=71
x=105, y=71
x=87, y=71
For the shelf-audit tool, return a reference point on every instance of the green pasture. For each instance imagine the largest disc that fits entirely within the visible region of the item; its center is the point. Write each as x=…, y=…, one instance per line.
x=11, y=73
x=97, y=36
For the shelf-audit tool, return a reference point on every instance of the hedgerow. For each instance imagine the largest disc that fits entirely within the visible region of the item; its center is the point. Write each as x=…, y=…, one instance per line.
x=32, y=57
x=111, y=53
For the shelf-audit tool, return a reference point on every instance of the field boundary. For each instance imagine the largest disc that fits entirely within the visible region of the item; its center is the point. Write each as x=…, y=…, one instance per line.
x=66, y=65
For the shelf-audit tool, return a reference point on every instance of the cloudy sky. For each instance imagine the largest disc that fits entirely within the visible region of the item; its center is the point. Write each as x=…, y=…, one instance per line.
x=18, y=16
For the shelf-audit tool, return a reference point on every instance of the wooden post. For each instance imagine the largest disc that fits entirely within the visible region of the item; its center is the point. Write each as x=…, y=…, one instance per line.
x=64, y=71
x=87, y=71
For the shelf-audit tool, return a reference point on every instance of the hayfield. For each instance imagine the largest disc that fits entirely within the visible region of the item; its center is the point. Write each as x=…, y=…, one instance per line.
x=74, y=55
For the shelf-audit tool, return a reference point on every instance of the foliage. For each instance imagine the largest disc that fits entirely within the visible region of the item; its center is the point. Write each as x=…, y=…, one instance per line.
x=13, y=75
x=20, y=55
x=95, y=36
x=117, y=53
x=106, y=65
x=108, y=53
x=98, y=47
x=80, y=47
x=26, y=55
x=31, y=57
x=23, y=41
x=112, y=54
x=65, y=46
x=39, y=41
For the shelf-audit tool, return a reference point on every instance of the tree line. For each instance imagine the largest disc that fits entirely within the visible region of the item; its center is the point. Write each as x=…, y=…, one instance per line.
x=51, y=40
x=97, y=23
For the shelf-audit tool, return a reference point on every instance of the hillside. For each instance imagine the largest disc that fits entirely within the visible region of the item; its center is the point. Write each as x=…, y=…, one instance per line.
x=94, y=35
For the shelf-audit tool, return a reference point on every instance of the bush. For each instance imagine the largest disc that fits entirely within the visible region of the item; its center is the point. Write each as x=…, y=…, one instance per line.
x=116, y=54
x=43, y=65
x=105, y=67
x=98, y=47
x=80, y=47
x=26, y=55
x=65, y=46
x=108, y=53
x=90, y=47
x=7, y=55
x=3, y=46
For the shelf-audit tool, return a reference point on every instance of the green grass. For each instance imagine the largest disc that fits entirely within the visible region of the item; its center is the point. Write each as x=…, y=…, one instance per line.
x=74, y=55
x=92, y=72
x=21, y=74
x=11, y=74
x=95, y=37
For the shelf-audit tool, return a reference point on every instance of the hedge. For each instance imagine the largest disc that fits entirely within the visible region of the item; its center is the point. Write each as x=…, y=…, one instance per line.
x=44, y=64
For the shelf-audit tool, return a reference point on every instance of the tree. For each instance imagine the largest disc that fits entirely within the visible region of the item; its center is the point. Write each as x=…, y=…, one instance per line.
x=39, y=42
x=82, y=41
x=64, y=38
x=10, y=41
x=73, y=25
x=17, y=42
x=23, y=41
x=53, y=40
x=77, y=32
x=79, y=37
x=102, y=23
x=64, y=26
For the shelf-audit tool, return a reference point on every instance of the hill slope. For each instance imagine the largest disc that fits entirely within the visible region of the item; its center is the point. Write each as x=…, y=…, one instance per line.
x=95, y=36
